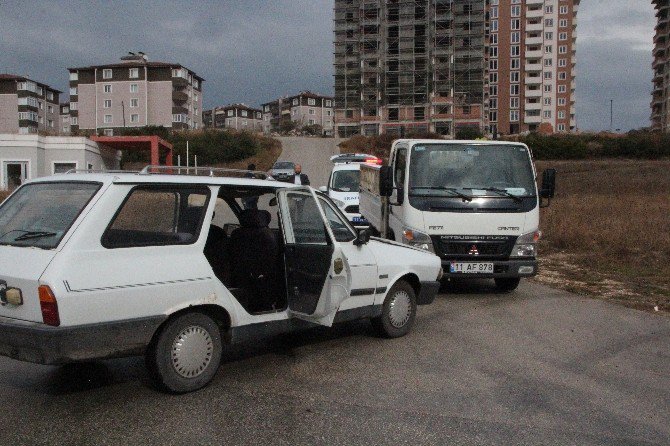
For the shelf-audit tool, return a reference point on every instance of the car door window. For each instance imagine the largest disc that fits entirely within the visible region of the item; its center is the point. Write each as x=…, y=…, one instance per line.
x=152, y=216
x=304, y=224
x=399, y=167
x=338, y=224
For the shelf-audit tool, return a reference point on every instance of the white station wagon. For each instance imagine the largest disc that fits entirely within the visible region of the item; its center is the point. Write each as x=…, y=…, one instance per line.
x=174, y=265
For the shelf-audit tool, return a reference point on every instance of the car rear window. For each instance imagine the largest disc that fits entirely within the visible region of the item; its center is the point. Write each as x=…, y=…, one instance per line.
x=153, y=216
x=40, y=214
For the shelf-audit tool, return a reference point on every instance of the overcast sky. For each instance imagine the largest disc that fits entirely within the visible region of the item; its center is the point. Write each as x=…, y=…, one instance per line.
x=253, y=51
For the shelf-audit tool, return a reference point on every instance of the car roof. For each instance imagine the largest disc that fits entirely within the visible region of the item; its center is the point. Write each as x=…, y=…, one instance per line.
x=458, y=141
x=153, y=178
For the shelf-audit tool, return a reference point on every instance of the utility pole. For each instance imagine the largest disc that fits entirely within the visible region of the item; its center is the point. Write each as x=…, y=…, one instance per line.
x=123, y=111
x=611, y=115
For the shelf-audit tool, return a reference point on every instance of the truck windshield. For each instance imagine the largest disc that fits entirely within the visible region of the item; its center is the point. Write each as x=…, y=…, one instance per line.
x=346, y=181
x=40, y=214
x=494, y=170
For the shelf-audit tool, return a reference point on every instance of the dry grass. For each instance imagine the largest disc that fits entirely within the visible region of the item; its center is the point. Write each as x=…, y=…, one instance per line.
x=607, y=232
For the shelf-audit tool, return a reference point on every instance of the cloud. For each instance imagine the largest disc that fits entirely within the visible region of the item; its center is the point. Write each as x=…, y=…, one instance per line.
x=253, y=51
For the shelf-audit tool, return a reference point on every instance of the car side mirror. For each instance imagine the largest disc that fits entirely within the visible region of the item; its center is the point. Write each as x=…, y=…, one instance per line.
x=548, y=186
x=362, y=237
x=385, y=181
x=323, y=189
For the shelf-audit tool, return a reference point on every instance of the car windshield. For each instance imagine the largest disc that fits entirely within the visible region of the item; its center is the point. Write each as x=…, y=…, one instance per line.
x=283, y=165
x=40, y=214
x=346, y=181
x=473, y=169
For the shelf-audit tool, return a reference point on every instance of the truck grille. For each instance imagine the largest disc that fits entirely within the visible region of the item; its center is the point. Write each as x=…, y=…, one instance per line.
x=353, y=209
x=474, y=247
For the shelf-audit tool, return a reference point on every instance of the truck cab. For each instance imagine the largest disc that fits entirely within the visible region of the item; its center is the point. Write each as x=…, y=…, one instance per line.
x=475, y=204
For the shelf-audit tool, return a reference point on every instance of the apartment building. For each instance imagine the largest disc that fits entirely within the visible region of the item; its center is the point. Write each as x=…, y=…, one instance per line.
x=135, y=92
x=234, y=116
x=64, y=119
x=27, y=106
x=404, y=66
x=304, y=108
x=531, y=72
x=660, y=104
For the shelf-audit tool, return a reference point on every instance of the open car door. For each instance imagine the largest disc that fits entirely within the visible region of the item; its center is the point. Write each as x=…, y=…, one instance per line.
x=317, y=274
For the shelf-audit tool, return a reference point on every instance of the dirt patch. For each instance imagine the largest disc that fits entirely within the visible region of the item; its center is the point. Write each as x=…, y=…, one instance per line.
x=607, y=234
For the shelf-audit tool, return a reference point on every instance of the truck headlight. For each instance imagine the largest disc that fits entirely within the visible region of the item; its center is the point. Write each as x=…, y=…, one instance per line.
x=526, y=245
x=417, y=239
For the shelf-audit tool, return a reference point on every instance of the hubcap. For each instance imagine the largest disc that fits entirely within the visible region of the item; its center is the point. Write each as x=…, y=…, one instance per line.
x=400, y=309
x=192, y=351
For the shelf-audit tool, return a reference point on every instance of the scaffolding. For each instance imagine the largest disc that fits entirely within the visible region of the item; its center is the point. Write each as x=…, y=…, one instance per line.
x=405, y=61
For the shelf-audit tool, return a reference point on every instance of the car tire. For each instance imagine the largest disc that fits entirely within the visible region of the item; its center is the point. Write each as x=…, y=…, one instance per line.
x=398, y=311
x=507, y=285
x=185, y=355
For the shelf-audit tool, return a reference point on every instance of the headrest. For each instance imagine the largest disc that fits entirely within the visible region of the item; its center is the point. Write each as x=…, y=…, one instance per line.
x=254, y=218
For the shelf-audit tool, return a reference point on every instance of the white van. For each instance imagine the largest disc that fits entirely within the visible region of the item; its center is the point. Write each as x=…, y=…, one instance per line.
x=101, y=265
x=344, y=184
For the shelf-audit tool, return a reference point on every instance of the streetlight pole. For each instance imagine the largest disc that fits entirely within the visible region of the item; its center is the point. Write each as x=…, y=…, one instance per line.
x=611, y=115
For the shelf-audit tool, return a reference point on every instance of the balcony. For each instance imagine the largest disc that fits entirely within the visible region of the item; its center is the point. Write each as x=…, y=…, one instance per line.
x=534, y=27
x=532, y=119
x=179, y=96
x=534, y=41
x=533, y=105
x=533, y=80
x=535, y=54
x=534, y=13
x=533, y=93
x=533, y=67
x=535, y=2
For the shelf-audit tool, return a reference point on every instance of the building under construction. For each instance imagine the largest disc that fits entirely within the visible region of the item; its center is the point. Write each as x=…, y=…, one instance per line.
x=410, y=66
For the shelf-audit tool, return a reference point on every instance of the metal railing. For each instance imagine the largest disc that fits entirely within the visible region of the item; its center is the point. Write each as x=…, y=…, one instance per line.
x=99, y=171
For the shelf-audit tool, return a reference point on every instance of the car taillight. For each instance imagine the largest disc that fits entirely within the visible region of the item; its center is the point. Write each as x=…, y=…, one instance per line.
x=49, y=306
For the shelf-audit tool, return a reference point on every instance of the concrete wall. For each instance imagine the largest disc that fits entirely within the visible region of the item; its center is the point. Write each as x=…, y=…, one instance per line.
x=9, y=113
x=160, y=103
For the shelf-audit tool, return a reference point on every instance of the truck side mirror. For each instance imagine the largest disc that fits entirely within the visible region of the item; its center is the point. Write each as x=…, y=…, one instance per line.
x=323, y=189
x=385, y=181
x=548, y=187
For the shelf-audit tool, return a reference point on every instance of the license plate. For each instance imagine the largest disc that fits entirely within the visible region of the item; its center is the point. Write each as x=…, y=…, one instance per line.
x=359, y=220
x=471, y=268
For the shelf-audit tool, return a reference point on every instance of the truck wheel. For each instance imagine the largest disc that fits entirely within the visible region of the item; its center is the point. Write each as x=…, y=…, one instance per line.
x=507, y=285
x=398, y=311
x=185, y=355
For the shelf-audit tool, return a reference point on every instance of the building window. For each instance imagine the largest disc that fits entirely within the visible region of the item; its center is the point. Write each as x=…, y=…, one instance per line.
x=107, y=103
x=74, y=106
x=178, y=118
x=515, y=24
x=108, y=119
x=547, y=75
x=562, y=63
x=548, y=49
x=106, y=73
x=547, y=88
x=493, y=51
x=563, y=23
x=107, y=88
x=329, y=103
x=547, y=101
x=493, y=103
x=548, y=36
x=516, y=11
x=494, y=26
x=563, y=10
x=50, y=108
x=311, y=122
x=514, y=90
x=230, y=113
x=63, y=167
x=493, y=116
x=50, y=96
x=514, y=76
x=548, y=23
x=134, y=103
x=75, y=120
x=311, y=101
x=514, y=102
x=73, y=91
x=74, y=76
x=108, y=132
x=515, y=64
x=547, y=114
x=516, y=37
x=134, y=118
x=295, y=102
x=562, y=49
x=50, y=123
x=514, y=115
x=561, y=127
x=561, y=101
x=561, y=88
x=133, y=88
x=494, y=39
x=245, y=113
x=515, y=50
x=311, y=111
x=133, y=73
x=562, y=36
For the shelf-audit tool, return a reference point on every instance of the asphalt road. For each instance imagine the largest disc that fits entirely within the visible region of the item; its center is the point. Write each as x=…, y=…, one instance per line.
x=537, y=366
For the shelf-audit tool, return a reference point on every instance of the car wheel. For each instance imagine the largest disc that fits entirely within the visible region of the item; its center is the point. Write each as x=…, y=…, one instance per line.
x=185, y=355
x=507, y=285
x=398, y=311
